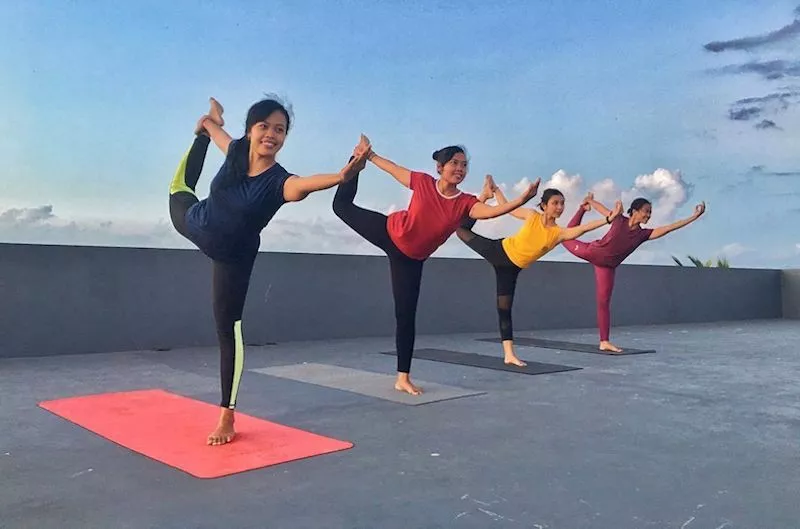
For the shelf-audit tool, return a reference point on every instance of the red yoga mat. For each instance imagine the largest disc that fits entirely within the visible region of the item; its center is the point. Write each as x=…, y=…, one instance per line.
x=172, y=429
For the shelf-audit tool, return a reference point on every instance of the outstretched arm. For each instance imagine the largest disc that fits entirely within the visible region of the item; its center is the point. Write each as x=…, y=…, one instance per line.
x=519, y=212
x=296, y=188
x=568, y=234
x=663, y=230
x=604, y=211
x=483, y=211
x=401, y=174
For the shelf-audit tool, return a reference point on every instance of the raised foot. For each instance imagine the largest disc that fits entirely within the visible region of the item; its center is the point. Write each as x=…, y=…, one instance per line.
x=215, y=113
x=610, y=347
x=487, y=191
x=224, y=432
x=407, y=387
x=513, y=360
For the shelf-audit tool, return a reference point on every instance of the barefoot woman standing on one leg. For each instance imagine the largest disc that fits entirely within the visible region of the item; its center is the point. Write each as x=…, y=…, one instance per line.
x=245, y=194
x=606, y=254
x=410, y=236
x=509, y=256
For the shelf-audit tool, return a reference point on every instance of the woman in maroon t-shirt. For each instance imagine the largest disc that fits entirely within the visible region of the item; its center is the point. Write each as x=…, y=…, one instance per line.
x=606, y=254
x=410, y=236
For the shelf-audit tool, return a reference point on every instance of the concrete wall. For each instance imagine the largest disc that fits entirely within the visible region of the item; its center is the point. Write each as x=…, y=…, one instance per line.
x=64, y=299
x=791, y=294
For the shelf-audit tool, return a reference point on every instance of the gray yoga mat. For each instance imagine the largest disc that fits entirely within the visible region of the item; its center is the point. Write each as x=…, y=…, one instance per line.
x=486, y=362
x=367, y=383
x=568, y=346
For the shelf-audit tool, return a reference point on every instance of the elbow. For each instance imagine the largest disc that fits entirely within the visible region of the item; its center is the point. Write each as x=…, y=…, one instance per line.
x=295, y=195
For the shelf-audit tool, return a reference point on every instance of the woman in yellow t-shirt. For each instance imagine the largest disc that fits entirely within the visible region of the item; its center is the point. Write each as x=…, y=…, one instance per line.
x=509, y=256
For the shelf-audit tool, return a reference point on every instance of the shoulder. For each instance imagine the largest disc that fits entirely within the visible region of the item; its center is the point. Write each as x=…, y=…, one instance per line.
x=468, y=201
x=468, y=198
x=236, y=146
x=279, y=175
x=419, y=177
x=279, y=170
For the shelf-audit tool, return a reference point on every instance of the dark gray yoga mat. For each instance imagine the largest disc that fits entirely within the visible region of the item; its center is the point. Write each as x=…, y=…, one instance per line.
x=484, y=361
x=569, y=346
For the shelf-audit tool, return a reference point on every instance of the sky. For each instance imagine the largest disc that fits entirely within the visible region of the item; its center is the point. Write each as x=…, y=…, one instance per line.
x=679, y=102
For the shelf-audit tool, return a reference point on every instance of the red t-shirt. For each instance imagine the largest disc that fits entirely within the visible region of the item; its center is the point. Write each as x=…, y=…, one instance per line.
x=431, y=218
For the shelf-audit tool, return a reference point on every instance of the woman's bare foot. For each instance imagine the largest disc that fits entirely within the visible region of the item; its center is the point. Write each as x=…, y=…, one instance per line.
x=587, y=204
x=403, y=383
x=224, y=433
x=512, y=359
x=509, y=356
x=488, y=189
x=608, y=346
x=216, y=112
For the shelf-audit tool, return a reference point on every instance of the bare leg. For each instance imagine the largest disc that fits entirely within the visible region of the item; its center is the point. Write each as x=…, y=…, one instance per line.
x=224, y=432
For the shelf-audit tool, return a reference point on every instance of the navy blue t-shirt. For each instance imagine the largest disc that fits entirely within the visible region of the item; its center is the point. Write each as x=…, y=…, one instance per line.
x=227, y=225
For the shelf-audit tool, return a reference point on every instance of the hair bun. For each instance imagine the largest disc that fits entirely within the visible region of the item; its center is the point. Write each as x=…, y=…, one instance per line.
x=434, y=154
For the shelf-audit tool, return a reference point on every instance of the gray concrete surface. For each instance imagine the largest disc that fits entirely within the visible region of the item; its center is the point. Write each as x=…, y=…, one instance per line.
x=790, y=280
x=701, y=435
x=62, y=299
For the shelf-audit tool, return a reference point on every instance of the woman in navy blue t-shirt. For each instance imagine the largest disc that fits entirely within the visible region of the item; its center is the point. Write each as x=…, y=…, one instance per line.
x=226, y=226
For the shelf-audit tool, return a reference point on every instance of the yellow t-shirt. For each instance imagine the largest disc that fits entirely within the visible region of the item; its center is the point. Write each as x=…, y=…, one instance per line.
x=531, y=242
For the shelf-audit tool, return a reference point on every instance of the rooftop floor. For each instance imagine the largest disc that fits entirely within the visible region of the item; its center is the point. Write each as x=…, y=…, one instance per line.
x=702, y=434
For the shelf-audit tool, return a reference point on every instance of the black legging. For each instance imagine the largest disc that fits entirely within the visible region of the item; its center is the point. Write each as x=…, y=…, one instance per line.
x=230, y=279
x=406, y=272
x=505, y=271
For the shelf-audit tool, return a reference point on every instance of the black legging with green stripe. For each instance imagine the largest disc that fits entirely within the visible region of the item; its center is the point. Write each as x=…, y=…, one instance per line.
x=230, y=279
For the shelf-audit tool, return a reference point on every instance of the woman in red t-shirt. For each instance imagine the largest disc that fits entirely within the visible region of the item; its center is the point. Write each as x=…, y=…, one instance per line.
x=606, y=254
x=410, y=236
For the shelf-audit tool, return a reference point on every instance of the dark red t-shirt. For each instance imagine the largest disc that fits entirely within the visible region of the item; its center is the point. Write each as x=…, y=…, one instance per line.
x=618, y=243
x=431, y=218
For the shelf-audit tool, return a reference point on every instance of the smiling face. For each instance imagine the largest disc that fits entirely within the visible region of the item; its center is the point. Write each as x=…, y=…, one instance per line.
x=454, y=171
x=643, y=215
x=552, y=204
x=640, y=211
x=267, y=136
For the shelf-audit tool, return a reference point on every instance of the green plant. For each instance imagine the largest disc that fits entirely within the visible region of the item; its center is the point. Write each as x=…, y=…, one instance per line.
x=722, y=262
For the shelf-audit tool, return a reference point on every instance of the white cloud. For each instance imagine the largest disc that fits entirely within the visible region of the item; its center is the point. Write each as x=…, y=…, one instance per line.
x=734, y=250
x=797, y=247
x=664, y=188
x=519, y=187
x=605, y=192
x=26, y=216
x=327, y=234
x=667, y=190
x=570, y=185
x=39, y=225
x=314, y=236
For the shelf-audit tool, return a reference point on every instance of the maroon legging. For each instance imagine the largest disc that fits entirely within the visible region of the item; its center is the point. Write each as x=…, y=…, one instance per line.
x=603, y=277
